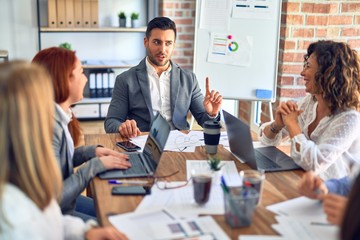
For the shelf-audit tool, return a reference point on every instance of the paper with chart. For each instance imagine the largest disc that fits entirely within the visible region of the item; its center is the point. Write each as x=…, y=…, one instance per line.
x=230, y=49
x=163, y=224
x=253, y=9
x=302, y=218
x=214, y=14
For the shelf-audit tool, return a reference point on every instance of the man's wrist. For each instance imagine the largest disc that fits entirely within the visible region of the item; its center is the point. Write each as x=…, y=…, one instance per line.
x=213, y=116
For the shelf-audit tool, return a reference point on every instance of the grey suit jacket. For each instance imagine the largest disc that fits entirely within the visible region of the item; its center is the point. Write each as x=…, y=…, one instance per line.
x=132, y=100
x=74, y=183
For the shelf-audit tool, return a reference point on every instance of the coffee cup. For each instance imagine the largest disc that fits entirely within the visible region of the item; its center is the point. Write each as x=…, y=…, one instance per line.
x=201, y=179
x=211, y=136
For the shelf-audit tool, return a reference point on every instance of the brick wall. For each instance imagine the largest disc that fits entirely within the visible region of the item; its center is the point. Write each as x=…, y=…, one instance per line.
x=302, y=22
x=183, y=14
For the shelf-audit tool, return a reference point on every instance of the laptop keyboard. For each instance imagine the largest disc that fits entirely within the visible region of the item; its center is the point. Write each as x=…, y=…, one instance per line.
x=264, y=162
x=136, y=164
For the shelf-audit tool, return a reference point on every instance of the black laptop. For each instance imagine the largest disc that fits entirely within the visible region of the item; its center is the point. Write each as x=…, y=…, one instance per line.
x=269, y=159
x=144, y=164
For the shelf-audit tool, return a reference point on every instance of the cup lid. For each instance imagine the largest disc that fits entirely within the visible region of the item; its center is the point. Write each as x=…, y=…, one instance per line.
x=212, y=124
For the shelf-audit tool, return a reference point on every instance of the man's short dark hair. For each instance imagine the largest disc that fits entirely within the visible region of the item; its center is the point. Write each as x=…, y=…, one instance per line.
x=162, y=23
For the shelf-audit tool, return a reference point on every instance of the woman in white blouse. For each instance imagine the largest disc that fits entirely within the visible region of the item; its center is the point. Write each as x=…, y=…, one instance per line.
x=30, y=179
x=324, y=127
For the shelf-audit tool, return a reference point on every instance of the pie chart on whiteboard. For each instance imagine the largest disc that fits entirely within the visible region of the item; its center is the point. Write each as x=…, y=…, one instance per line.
x=233, y=46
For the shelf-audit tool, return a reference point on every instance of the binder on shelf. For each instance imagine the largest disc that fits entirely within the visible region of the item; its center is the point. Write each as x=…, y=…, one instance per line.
x=61, y=13
x=69, y=13
x=99, y=85
x=52, y=20
x=78, y=15
x=92, y=85
x=94, y=6
x=105, y=78
x=86, y=5
x=111, y=82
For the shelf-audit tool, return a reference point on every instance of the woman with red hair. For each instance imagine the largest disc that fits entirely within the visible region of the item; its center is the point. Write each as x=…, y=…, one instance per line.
x=69, y=81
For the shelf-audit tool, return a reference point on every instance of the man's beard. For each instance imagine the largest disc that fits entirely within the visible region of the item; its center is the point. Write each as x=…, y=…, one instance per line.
x=155, y=62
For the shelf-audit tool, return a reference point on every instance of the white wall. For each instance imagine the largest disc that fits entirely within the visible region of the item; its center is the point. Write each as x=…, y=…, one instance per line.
x=18, y=28
x=19, y=32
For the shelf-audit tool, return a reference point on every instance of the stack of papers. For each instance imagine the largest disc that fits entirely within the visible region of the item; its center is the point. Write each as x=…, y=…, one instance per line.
x=163, y=224
x=302, y=218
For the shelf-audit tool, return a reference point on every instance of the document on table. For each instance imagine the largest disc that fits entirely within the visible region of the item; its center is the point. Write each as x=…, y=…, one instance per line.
x=181, y=200
x=302, y=218
x=163, y=224
x=181, y=142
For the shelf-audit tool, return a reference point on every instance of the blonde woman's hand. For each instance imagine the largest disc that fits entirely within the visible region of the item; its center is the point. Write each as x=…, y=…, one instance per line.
x=105, y=233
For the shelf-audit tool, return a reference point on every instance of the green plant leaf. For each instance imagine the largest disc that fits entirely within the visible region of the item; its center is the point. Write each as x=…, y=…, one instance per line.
x=122, y=15
x=214, y=163
x=66, y=45
x=134, y=16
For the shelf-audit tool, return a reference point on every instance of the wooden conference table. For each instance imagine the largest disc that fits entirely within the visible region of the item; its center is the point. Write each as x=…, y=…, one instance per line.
x=279, y=186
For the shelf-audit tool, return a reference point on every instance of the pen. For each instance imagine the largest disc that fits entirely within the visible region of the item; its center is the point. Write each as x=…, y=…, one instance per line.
x=127, y=182
x=321, y=224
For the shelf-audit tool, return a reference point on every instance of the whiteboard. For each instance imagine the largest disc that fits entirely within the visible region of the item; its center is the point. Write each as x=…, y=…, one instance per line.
x=253, y=31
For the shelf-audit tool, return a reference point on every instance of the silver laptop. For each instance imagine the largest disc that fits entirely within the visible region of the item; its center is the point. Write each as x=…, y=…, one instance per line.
x=144, y=164
x=269, y=159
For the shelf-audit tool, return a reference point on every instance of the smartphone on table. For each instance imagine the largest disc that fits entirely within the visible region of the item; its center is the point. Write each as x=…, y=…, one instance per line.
x=131, y=190
x=128, y=146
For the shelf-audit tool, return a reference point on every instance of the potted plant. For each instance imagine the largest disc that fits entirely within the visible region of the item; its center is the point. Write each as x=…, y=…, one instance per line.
x=134, y=20
x=66, y=45
x=122, y=19
x=215, y=166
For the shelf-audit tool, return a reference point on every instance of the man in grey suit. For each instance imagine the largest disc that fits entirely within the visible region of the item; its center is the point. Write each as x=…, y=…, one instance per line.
x=158, y=85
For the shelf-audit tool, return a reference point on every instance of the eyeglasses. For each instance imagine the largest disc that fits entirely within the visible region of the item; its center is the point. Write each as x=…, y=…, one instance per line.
x=183, y=142
x=165, y=185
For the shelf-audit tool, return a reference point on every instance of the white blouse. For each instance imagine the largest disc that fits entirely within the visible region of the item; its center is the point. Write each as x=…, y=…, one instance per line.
x=24, y=220
x=332, y=147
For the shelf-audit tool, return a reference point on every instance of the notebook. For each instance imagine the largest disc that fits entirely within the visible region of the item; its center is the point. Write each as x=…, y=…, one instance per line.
x=144, y=164
x=269, y=159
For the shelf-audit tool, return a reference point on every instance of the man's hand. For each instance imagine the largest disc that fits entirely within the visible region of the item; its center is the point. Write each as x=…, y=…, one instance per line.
x=212, y=101
x=112, y=159
x=312, y=186
x=129, y=129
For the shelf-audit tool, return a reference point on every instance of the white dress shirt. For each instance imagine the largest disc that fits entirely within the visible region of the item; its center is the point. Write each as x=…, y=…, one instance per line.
x=65, y=120
x=332, y=147
x=160, y=91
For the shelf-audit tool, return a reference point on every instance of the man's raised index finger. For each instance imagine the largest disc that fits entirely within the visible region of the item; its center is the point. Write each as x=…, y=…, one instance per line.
x=207, y=86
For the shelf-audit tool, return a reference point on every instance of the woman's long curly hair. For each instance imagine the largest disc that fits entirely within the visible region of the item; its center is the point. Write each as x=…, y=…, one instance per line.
x=338, y=75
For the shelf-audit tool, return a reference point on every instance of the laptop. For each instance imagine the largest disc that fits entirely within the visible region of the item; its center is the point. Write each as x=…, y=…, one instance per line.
x=269, y=159
x=144, y=164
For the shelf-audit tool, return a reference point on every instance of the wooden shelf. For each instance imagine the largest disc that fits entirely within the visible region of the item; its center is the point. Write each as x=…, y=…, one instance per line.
x=85, y=30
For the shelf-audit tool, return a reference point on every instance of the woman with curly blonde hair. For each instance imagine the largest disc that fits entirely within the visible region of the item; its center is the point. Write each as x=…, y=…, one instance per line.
x=323, y=126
